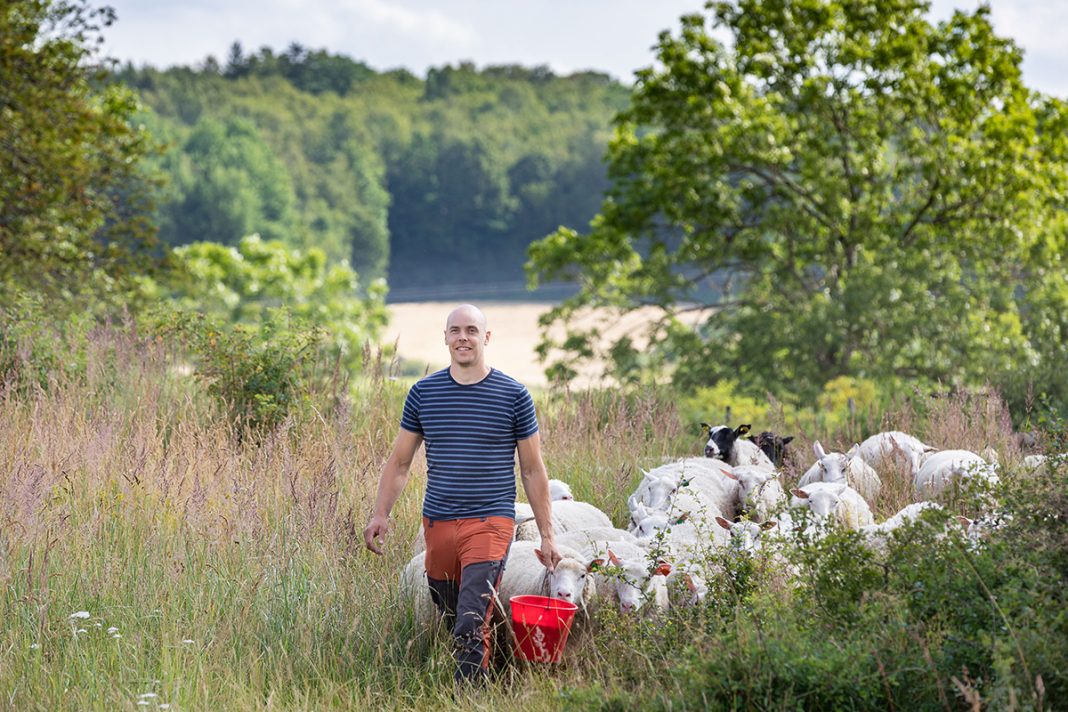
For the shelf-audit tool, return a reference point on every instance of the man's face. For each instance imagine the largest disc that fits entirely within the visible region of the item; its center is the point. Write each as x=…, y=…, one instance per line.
x=466, y=337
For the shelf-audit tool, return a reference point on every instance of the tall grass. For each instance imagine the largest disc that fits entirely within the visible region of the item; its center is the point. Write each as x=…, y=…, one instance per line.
x=226, y=572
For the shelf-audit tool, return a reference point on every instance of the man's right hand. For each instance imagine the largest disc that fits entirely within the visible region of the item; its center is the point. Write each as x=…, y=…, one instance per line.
x=375, y=533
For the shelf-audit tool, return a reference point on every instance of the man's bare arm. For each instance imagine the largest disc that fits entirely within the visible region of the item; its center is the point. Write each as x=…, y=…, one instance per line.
x=390, y=485
x=536, y=485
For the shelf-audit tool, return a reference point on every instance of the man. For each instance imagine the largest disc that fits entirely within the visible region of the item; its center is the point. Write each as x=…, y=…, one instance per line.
x=473, y=419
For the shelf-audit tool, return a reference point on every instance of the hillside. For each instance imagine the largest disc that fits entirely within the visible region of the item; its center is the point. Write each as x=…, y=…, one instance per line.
x=435, y=182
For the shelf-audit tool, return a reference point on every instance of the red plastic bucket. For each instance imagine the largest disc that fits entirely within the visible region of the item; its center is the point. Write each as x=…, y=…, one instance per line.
x=541, y=626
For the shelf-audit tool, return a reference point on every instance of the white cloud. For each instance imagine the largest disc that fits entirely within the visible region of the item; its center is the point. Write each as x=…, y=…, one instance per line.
x=424, y=23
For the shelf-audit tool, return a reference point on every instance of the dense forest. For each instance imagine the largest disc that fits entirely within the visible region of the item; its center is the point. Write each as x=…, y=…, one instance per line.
x=430, y=183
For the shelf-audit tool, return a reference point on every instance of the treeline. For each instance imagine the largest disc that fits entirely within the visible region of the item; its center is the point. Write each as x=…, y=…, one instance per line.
x=428, y=183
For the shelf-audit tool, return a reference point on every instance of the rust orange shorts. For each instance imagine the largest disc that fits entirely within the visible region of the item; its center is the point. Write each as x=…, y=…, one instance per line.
x=452, y=544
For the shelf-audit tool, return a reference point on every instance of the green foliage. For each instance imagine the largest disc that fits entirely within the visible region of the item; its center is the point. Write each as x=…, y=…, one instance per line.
x=36, y=348
x=859, y=192
x=259, y=374
x=246, y=283
x=231, y=185
x=710, y=404
x=445, y=181
x=72, y=196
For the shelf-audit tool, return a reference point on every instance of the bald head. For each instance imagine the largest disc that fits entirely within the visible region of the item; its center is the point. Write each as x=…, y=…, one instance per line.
x=467, y=313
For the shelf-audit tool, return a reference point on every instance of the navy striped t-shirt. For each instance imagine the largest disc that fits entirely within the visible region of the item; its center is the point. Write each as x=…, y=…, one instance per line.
x=470, y=432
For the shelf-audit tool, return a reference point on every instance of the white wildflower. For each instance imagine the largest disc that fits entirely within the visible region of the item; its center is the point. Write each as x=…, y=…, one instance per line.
x=147, y=695
x=80, y=614
x=143, y=703
x=34, y=646
x=112, y=629
x=165, y=706
x=189, y=641
x=117, y=635
x=80, y=630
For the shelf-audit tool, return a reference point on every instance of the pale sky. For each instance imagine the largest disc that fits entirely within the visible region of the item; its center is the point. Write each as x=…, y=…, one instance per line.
x=613, y=36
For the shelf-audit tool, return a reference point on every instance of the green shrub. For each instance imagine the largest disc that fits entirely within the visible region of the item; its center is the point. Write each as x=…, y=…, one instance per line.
x=37, y=347
x=259, y=374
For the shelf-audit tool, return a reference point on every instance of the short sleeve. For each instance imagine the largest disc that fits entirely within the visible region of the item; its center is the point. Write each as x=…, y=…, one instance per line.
x=524, y=417
x=410, y=416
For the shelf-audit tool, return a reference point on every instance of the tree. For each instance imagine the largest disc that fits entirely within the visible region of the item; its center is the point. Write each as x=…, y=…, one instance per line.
x=231, y=185
x=244, y=284
x=72, y=200
x=852, y=190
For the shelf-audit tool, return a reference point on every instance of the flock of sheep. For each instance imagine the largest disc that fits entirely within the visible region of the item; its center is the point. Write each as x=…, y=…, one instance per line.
x=732, y=500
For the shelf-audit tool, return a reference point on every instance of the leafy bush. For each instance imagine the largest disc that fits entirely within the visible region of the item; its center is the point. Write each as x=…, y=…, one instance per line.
x=260, y=374
x=38, y=346
x=243, y=284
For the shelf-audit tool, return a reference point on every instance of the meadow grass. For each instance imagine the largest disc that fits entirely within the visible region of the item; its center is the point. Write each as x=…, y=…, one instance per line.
x=220, y=571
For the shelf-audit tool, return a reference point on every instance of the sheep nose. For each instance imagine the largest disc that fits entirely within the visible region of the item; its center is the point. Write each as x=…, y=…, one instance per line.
x=566, y=595
x=709, y=452
x=627, y=607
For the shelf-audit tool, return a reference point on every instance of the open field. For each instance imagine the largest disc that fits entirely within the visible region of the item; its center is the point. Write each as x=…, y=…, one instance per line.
x=418, y=327
x=152, y=559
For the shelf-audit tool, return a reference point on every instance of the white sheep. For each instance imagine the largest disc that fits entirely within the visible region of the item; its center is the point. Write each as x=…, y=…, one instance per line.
x=845, y=468
x=559, y=490
x=746, y=536
x=680, y=536
x=894, y=449
x=567, y=515
x=684, y=586
x=946, y=466
x=708, y=476
x=414, y=588
x=760, y=491
x=525, y=573
x=578, y=536
x=623, y=575
x=1036, y=464
x=879, y=534
x=833, y=500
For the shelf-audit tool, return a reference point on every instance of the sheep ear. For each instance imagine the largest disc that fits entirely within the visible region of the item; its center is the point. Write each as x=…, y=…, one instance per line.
x=663, y=568
x=729, y=474
x=853, y=450
x=613, y=558
x=689, y=583
x=799, y=493
x=706, y=426
x=723, y=523
x=742, y=429
x=770, y=524
x=818, y=449
x=964, y=521
x=594, y=565
x=787, y=439
x=633, y=502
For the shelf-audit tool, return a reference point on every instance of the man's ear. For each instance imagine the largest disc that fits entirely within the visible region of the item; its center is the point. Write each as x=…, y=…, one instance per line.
x=486, y=341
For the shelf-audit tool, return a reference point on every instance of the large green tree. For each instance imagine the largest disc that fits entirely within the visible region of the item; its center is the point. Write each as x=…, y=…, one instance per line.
x=72, y=200
x=852, y=189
